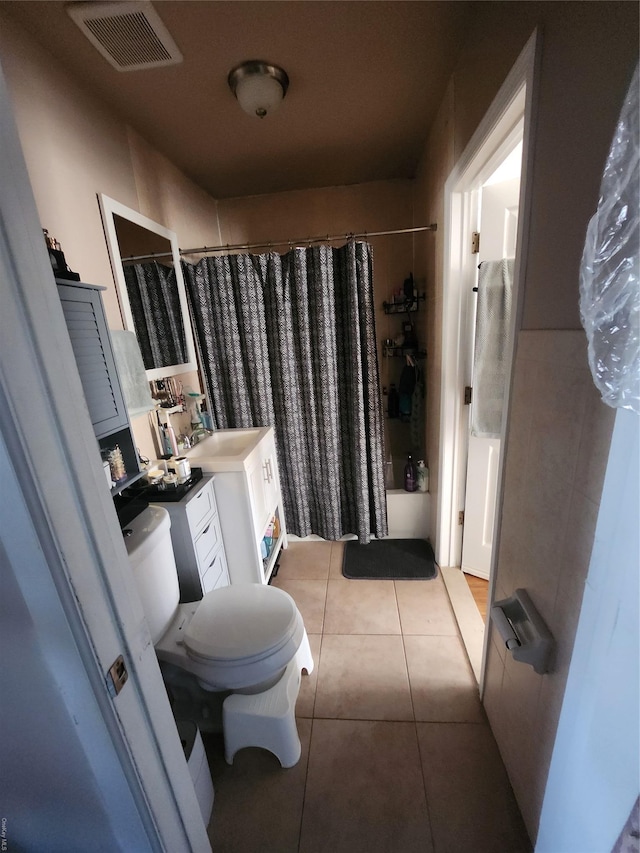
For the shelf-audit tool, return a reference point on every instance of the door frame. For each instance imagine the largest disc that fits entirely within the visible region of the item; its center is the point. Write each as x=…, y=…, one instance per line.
x=488, y=145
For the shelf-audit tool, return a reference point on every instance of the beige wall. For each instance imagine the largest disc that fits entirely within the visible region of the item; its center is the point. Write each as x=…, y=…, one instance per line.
x=559, y=431
x=436, y=164
x=75, y=148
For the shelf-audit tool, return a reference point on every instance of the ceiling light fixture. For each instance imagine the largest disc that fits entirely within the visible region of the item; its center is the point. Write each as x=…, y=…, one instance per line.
x=258, y=86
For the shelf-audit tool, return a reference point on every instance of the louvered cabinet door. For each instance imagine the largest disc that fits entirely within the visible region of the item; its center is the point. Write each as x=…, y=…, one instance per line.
x=84, y=314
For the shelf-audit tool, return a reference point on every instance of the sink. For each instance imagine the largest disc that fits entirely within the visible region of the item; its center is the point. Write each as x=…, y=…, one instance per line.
x=226, y=449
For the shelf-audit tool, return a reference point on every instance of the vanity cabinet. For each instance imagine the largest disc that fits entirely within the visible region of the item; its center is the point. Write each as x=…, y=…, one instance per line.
x=86, y=322
x=251, y=514
x=197, y=542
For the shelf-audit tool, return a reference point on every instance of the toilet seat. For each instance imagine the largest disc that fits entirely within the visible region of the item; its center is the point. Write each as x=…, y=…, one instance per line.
x=243, y=623
x=257, y=654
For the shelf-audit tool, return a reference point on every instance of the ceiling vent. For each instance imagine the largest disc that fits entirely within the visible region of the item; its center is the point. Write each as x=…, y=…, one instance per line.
x=128, y=33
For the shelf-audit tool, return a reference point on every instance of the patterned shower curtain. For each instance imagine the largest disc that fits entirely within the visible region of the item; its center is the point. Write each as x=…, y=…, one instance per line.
x=289, y=341
x=155, y=305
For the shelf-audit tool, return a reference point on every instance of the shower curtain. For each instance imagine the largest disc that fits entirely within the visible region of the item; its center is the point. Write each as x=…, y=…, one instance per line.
x=289, y=341
x=155, y=305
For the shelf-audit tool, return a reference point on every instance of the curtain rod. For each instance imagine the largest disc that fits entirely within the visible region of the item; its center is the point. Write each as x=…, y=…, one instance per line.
x=325, y=238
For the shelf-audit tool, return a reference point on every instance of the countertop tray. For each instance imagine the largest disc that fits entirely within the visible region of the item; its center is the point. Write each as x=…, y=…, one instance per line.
x=154, y=494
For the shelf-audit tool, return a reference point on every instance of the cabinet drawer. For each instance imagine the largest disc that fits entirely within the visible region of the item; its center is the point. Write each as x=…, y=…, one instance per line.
x=215, y=573
x=200, y=506
x=208, y=540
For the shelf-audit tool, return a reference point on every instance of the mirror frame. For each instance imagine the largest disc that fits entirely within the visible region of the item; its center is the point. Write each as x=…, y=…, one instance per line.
x=109, y=207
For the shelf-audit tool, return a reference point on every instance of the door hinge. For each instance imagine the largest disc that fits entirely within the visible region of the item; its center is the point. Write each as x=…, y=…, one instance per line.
x=467, y=395
x=475, y=242
x=116, y=676
x=461, y=517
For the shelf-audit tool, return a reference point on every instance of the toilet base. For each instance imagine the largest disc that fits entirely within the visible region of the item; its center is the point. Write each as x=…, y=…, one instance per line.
x=265, y=719
x=190, y=702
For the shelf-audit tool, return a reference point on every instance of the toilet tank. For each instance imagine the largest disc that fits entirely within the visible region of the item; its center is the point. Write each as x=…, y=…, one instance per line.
x=154, y=567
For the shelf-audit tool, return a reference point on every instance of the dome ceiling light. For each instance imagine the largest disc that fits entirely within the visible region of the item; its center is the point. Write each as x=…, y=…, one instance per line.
x=258, y=86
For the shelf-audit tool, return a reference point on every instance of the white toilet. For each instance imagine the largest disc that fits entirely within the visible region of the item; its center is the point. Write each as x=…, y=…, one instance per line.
x=245, y=638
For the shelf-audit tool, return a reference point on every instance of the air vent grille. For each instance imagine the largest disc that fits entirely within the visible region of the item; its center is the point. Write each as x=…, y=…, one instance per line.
x=130, y=35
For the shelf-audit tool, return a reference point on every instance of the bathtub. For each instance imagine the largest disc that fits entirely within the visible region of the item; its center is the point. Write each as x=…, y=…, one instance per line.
x=407, y=517
x=408, y=514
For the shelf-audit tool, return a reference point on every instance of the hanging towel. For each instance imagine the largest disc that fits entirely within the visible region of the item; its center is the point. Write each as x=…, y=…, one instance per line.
x=131, y=372
x=493, y=322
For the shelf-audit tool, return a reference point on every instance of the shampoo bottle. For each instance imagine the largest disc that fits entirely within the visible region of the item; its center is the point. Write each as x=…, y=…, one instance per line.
x=423, y=477
x=410, y=475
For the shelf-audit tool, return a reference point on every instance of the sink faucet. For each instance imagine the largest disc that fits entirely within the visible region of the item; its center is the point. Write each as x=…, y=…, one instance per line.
x=199, y=433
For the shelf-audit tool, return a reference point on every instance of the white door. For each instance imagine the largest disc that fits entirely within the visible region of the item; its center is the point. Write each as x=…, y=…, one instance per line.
x=498, y=230
x=73, y=593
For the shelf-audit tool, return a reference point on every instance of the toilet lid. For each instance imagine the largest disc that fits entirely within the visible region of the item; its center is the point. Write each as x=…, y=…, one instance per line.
x=241, y=622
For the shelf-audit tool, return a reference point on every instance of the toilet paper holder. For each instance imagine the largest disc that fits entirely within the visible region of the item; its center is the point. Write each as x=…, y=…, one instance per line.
x=523, y=630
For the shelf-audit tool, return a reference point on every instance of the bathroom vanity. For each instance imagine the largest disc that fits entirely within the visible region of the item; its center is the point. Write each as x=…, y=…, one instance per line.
x=247, y=489
x=197, y=541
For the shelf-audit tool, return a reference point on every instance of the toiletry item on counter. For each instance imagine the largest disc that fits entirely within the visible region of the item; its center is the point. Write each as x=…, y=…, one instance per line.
x=154, y=476
x=167, y=438
x=172, y=441
x=205, y=417
x=410, y=475
x=182, y=467
x=116, y=465
x=107, y=473
x=170, y=481
x=422, y=476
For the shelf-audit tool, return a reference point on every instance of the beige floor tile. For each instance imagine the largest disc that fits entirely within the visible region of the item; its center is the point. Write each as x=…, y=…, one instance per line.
x=363, y=678
x=365, y=790
x=307, y=695
x=361, y=607
x=443, y=687
x=424, y=607
x=306, y=561
x=309, y=596
x=258, y=804
x=471, y=804
x=337, y=555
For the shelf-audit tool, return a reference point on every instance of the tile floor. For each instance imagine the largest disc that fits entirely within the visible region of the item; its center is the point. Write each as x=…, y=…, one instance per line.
x=397, y=754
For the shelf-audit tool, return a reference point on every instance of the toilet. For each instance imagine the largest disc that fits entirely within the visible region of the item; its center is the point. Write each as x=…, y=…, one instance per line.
x=246, y=639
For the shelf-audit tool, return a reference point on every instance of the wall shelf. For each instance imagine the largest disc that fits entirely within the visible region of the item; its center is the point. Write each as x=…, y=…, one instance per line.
x=404, y=306
x=402, y=351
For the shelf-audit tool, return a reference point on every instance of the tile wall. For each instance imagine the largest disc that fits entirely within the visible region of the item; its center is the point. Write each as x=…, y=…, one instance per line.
x=556, y=458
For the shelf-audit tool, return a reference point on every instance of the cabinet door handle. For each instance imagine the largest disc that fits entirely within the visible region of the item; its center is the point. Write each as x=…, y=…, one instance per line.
x=206, y=529
x=265, y=468
x=212, y=562
x=270, y=470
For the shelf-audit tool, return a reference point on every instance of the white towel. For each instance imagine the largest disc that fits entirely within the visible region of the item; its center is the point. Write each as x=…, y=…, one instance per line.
x=133, y=377
x=493, y=323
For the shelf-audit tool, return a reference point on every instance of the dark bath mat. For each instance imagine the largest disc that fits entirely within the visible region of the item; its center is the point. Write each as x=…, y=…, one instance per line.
x=389, y=559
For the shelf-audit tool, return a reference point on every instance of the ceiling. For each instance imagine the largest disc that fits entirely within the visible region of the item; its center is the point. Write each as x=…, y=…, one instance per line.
x=365, y=81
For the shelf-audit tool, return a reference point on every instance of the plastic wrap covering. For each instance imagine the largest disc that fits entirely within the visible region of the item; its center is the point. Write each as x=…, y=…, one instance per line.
x=609, y=275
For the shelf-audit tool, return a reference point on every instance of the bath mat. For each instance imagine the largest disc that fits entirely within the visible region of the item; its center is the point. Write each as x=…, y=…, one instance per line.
x=389, y=559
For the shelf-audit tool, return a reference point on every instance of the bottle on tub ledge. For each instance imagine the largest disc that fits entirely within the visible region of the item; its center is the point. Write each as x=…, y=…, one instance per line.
x=422, y=476
x=410, y=475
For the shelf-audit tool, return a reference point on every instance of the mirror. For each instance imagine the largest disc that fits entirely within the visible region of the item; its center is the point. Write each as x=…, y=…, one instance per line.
x=146, y=265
